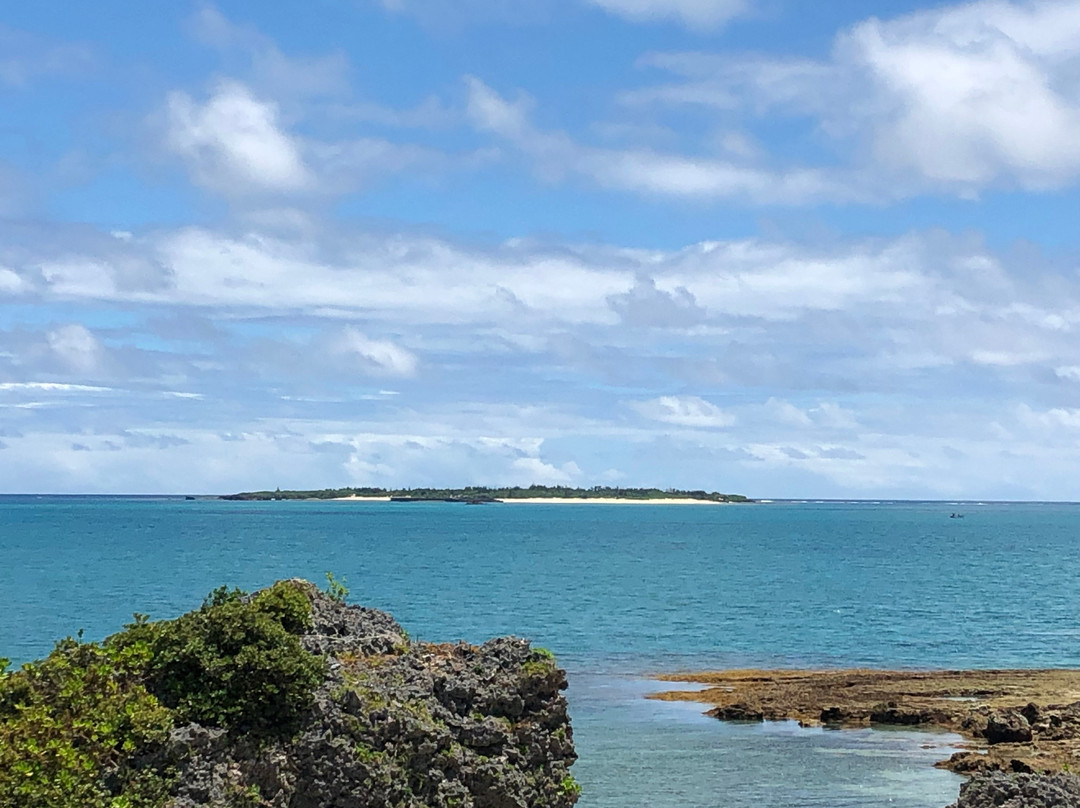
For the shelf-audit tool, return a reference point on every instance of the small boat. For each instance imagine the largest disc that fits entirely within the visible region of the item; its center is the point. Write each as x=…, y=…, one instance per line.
x=956, y=516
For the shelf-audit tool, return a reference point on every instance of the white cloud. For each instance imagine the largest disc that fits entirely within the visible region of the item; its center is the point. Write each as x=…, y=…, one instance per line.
x=867, y=350
x=968, y=94
x=11, y=283
x=234, y=142
x=695, y=13
x=533, y=470
x=77, y=347
x=52, y=387
x=832, y=415
x=647, y=305
x=641, y=170
x=381, y=357
x=1069, y=373
x=919, y=288
x=688, y=411
x=1052, y=422
x=787, y=413
x=958, y=98
x=1006, y=358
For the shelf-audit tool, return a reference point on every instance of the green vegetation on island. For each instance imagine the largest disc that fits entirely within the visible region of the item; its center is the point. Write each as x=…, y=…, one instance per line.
x=479, y=494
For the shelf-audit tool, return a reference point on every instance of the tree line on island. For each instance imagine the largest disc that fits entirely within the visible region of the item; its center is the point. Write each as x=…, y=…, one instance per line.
x=483, y=494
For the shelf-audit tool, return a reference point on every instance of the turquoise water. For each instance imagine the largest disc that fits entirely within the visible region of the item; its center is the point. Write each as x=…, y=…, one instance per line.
x=616, y=592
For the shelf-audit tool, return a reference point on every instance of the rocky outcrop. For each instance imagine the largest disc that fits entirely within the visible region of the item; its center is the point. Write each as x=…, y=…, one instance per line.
x=1015, y=720
x=1022, y=726
x=998, y=790
x=395, y=723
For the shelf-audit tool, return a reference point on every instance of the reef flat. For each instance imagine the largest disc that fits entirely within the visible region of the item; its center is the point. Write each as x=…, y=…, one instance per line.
x=1022, y=727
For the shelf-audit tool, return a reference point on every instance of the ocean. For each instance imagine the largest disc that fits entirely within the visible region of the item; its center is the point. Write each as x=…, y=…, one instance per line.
x=617, y=592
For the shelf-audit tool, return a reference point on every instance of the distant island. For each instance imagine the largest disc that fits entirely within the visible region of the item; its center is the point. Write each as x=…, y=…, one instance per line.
x=482, y=494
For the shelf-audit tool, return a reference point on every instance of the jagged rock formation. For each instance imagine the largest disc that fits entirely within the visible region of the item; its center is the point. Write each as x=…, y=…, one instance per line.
x=397, y=723
x=999, y=790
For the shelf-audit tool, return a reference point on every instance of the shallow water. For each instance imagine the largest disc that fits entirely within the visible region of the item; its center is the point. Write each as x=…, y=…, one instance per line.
x=615, y=592
x=641, y=753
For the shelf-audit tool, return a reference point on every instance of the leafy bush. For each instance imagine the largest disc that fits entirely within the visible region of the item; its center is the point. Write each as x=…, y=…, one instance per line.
x=235, y=663
x=68, y=727
x=335, y=588
x=570, y=787
x=80, y=728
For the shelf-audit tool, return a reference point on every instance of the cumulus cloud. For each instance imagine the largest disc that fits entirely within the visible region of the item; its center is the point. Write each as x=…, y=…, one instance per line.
x=957, y=98
x=688, y=411
x=234, y=142
x=646, y=305
x=987, y=84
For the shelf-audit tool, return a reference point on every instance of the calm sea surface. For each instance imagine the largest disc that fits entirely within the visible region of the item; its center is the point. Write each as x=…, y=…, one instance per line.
x=616, y=592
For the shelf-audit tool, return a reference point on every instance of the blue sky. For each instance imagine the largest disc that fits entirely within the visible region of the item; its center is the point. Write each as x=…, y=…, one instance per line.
x=765, y=246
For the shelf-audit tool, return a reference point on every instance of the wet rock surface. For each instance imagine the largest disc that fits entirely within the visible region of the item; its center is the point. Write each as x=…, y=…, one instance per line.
x=397, y=723
x=1022, y=726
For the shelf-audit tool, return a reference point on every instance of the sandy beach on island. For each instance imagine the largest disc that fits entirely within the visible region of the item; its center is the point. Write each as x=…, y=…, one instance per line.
x=563, y=501
x=609, y=501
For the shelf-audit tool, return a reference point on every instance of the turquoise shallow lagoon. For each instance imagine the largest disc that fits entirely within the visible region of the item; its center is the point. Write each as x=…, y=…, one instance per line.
x=616, y=592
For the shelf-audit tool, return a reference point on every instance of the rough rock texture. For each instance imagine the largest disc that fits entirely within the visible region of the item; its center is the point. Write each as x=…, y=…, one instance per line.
x=397, y=723
x=1014, y=720
x=998, y=790
x=1023, y=726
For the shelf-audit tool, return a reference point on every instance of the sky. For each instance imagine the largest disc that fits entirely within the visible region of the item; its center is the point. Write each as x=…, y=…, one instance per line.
x=770, y=247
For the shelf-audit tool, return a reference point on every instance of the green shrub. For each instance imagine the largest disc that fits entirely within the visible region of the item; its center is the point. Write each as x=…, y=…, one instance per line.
x=79, y=729
x=69, y=725
x=335, y=588
x=570, y=787
x=235, y=663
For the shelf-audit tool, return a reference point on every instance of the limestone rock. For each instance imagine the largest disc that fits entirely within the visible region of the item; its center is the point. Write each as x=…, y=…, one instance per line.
x=397, y=723
x=998, y=790
x=1007, y=726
